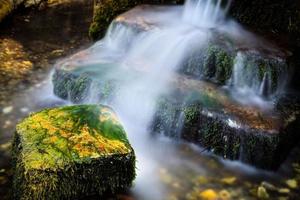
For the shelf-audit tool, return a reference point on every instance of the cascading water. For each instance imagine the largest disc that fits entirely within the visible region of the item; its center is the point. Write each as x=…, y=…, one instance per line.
x=257, y=81
x=205, y=13
x=142, y=61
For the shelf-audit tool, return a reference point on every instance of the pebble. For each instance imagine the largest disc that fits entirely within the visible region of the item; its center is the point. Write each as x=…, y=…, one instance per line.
x=24, y=110
x=7, y=124
x=268, y=186
x=209, y=194
x=7, y=109
x=262, y=193
x=229, y=180
x=284, y=190
x=292, y=183
x=224, y=195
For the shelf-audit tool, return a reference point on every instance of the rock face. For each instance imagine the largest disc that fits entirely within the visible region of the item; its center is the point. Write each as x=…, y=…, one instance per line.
x=71, y=152
x=242, y=134
x=105, y=11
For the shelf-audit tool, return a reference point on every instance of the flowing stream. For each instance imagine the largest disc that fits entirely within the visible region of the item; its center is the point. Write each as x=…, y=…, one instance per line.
x=142, y=52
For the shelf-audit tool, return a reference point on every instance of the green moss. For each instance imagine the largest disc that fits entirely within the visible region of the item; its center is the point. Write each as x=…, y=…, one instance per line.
x=71, y=151
x=218, y=64
x=224, y=65
x=104, y=12
x=79, y=88
x=62, y=82
x=191, y=113
x=108, y=89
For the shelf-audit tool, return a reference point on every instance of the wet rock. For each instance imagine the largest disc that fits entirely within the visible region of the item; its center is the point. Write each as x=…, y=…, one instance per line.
x=78, y=87
x=215, y=62
x=71, y=152
x=105, y=11
x=210, y=120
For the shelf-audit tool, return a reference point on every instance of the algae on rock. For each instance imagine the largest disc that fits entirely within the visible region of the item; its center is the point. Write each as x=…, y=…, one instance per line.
x=71, y=152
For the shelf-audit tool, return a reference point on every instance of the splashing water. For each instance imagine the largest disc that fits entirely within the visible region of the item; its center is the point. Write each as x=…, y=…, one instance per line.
x=254, y=84
x=205, y=13
x=143, y=58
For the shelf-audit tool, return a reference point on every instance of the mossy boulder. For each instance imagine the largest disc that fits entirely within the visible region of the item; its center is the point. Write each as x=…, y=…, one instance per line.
x=70, y=86
x=232, y=131
x=213, y=62
x=95, y=82
x=71, y=152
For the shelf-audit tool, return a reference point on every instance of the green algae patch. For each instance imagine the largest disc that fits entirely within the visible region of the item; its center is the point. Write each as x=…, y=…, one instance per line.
x=71, y=152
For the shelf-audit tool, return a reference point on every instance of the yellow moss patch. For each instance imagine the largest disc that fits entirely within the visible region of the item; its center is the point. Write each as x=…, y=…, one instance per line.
x=54, y=138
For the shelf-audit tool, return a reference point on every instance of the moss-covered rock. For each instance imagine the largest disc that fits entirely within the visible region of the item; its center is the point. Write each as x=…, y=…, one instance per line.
x=71, y=152
x=227, y=130
x=105, y=11
x=78, y=84
x=218, y=64
x=214, y=62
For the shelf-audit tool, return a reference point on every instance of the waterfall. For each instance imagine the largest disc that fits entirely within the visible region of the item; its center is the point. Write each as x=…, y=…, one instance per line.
x=266, y=85
x=205, y=13
x=142, y=61
x=256, y=79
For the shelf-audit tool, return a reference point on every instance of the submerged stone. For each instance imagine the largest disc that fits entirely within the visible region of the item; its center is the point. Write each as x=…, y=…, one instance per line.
x=71, y=152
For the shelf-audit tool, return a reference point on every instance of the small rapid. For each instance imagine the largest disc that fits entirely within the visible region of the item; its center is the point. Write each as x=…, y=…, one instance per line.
x=137, y=62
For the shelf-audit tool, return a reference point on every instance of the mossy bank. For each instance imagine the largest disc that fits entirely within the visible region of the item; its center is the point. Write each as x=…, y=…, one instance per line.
x=71, y=152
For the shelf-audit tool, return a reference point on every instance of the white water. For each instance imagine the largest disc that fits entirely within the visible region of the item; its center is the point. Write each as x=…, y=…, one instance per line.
x=248, y=88
x=150, y=58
